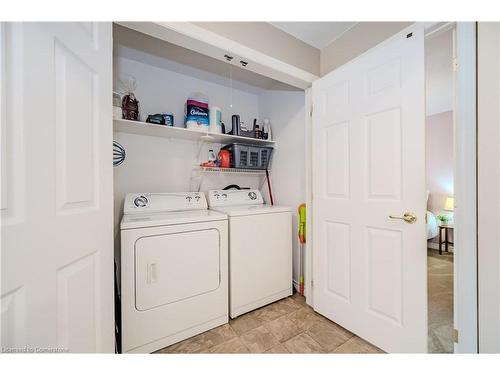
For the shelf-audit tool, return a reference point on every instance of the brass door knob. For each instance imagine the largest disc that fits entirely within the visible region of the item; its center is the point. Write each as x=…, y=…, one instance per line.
x=409, y=217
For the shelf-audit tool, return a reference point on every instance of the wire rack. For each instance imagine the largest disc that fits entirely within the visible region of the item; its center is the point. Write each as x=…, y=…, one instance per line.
x=232, y=170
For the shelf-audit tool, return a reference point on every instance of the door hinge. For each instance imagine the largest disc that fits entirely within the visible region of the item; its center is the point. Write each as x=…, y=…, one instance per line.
x=455, y=335
x=311, y=111
x=312, y=283
x=455, y=65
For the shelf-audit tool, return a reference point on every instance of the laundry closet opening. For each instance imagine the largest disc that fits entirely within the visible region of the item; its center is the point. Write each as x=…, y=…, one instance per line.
x=162, y=77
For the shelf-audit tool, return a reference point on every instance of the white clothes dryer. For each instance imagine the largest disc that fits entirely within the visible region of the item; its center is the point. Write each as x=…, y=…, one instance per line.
x=174, y=269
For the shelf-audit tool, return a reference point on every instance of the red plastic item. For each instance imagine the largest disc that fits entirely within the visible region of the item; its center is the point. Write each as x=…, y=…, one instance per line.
x=224, y=159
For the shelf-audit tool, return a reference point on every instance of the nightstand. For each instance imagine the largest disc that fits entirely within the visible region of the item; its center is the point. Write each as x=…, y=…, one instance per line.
x=446, y=241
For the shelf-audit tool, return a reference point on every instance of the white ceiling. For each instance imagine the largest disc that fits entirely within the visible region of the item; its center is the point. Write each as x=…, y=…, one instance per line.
x=316, y=34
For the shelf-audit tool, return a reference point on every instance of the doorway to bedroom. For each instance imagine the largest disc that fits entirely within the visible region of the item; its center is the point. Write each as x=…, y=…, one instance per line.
x=439, y=71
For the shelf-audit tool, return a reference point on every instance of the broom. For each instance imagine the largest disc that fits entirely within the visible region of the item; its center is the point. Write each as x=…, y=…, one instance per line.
x=302, y=242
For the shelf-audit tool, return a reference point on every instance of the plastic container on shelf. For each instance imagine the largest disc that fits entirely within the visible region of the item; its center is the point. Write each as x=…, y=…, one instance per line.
x=117, y=106
x=215, y=120
x=169, y=118
x=197, y=113
x=267, y=134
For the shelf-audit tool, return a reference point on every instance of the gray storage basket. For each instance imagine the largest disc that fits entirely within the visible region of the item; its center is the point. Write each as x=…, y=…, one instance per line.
x=249, y=156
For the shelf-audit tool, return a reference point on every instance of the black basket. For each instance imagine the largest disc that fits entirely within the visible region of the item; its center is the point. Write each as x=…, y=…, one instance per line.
x=249, y=156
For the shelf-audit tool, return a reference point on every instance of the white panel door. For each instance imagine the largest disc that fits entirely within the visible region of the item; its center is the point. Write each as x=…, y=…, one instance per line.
x=57, y=250
x=369, y=270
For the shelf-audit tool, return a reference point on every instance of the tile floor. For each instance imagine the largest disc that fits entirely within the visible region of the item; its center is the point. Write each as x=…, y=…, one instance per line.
x=290, y=326
x=440, y=301
x=286, y=326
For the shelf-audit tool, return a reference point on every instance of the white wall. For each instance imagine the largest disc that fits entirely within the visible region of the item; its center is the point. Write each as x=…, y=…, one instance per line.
x=166, y=87
x=286, y=111
x=439, y=73
x=439, y=162
x=439, y=156
x=439, y=159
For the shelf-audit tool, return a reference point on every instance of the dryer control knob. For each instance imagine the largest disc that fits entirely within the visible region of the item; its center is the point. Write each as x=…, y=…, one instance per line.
x=141, y=201
x=252, y=195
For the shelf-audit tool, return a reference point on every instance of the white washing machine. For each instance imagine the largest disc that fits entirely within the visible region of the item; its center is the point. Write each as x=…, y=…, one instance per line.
x=174, y=269
x=260, y=249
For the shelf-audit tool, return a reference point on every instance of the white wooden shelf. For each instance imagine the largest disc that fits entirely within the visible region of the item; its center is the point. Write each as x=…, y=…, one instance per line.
x=153, y=130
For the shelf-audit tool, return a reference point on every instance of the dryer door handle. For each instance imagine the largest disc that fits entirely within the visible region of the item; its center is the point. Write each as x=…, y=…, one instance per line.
x=151, y=273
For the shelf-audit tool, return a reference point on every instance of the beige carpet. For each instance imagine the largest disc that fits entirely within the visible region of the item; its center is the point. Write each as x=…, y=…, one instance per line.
x=440, y=301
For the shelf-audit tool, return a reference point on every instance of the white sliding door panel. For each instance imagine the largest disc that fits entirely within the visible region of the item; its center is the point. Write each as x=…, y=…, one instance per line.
x=368, y=160
x=57, y=250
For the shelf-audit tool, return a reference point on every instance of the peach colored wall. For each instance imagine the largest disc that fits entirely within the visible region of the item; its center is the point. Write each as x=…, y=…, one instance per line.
x=439, y=159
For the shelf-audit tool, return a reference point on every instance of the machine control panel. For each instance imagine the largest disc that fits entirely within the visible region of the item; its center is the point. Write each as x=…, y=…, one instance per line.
x=221, y=198
x=164, y=202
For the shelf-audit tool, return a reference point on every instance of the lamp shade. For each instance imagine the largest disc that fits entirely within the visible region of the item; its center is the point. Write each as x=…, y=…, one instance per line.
x=449, y=204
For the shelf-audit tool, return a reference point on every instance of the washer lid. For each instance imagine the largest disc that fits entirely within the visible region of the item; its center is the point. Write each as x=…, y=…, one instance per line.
x=134, y=221
x=257, y=209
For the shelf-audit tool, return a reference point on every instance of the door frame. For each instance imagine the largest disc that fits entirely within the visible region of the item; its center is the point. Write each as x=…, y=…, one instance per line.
x=465, y=190
x=488, y=186
x=464, y=186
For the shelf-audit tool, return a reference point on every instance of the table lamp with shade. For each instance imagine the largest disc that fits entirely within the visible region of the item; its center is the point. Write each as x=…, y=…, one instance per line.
x=449, y=205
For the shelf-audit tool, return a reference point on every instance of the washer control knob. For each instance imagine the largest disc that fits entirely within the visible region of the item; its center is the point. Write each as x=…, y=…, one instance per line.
x=141, y=201
x=188, y=198
x=224, y=196
x=252, y=195
x=197, y=198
